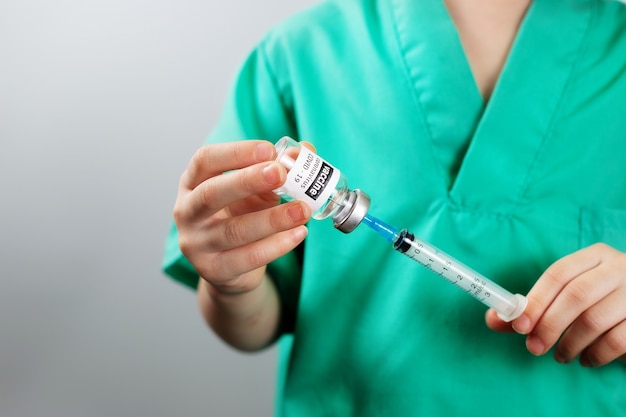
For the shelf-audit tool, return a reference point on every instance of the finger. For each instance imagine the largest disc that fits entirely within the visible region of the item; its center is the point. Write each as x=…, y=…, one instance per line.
x=495, y=323
x=309, y=145
x=590, y=326
x=245, y=229
x=218, y=192
x=213, y=160
x=609, y=347
x=550, y=285
x=253, y=203
x=236, y=262
x=577, y=296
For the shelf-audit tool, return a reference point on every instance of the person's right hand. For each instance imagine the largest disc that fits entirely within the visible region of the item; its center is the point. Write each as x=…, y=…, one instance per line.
x=230, y=223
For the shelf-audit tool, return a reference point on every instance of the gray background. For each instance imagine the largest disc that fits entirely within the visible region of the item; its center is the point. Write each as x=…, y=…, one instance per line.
x=102, y=103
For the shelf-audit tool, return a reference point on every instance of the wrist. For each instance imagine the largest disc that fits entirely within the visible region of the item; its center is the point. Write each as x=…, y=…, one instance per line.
x=237, y=287
x=246, y=320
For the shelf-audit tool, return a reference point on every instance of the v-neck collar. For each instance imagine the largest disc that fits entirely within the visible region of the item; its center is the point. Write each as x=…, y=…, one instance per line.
x=485, y=154
x=442, y=79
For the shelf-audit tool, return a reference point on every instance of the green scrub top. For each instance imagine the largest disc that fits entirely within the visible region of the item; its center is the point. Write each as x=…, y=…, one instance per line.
x=384, y=91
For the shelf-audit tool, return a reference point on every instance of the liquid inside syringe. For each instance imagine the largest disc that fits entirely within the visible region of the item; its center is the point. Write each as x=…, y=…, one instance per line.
x=509, y=306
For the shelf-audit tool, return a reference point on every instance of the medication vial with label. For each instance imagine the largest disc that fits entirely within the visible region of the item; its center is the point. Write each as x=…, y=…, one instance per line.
x=319, y=184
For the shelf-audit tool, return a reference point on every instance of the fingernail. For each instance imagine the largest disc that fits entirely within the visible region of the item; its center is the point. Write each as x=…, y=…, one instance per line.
x=522, y=324
x=264, y=151
x=271, y=174
x=559, y=357
x=295, y=213
x=535, y=345
x=585, y=361
x=299, y=233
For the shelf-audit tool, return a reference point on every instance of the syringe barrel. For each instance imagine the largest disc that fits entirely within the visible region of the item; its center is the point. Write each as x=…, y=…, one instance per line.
x=509, y=306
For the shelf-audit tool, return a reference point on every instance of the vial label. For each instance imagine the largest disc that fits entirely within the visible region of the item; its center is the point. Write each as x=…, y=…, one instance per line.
x=311, y=179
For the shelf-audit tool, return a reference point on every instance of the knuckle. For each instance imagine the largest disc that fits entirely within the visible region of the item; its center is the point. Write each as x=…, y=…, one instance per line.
x=276, y=219
x=200, y=155
x=184, y=244
x=549, y=329
x=245, y=181
x=591, y=321
x=616, y=342
x=239, y=150
x=207, y=194
x=598, y=355
x=593, y=356
x=179, y=213
x=256, y=258
x=249, y=180
x=603, y=252
x=599, y=247
x=234, y=232
x=576, y=292
x=555, y=274
x=183, y=179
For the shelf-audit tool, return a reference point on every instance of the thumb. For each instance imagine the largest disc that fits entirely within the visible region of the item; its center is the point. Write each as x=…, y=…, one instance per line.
x=495, y=323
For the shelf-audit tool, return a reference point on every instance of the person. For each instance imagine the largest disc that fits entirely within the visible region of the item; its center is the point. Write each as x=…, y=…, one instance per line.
x=493, y=130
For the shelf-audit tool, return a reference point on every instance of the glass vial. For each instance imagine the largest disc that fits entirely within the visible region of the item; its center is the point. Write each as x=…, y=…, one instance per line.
x=320, y=185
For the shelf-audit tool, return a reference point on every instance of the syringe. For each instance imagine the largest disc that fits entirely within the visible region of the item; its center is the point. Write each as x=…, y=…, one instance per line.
x=325, y=189
x=509, y=306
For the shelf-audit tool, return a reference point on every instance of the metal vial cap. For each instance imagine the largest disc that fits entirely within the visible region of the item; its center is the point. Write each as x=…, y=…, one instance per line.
x=353, y=211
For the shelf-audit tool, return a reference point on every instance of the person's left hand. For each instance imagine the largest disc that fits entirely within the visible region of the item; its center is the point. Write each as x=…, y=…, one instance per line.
x=579, y=304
